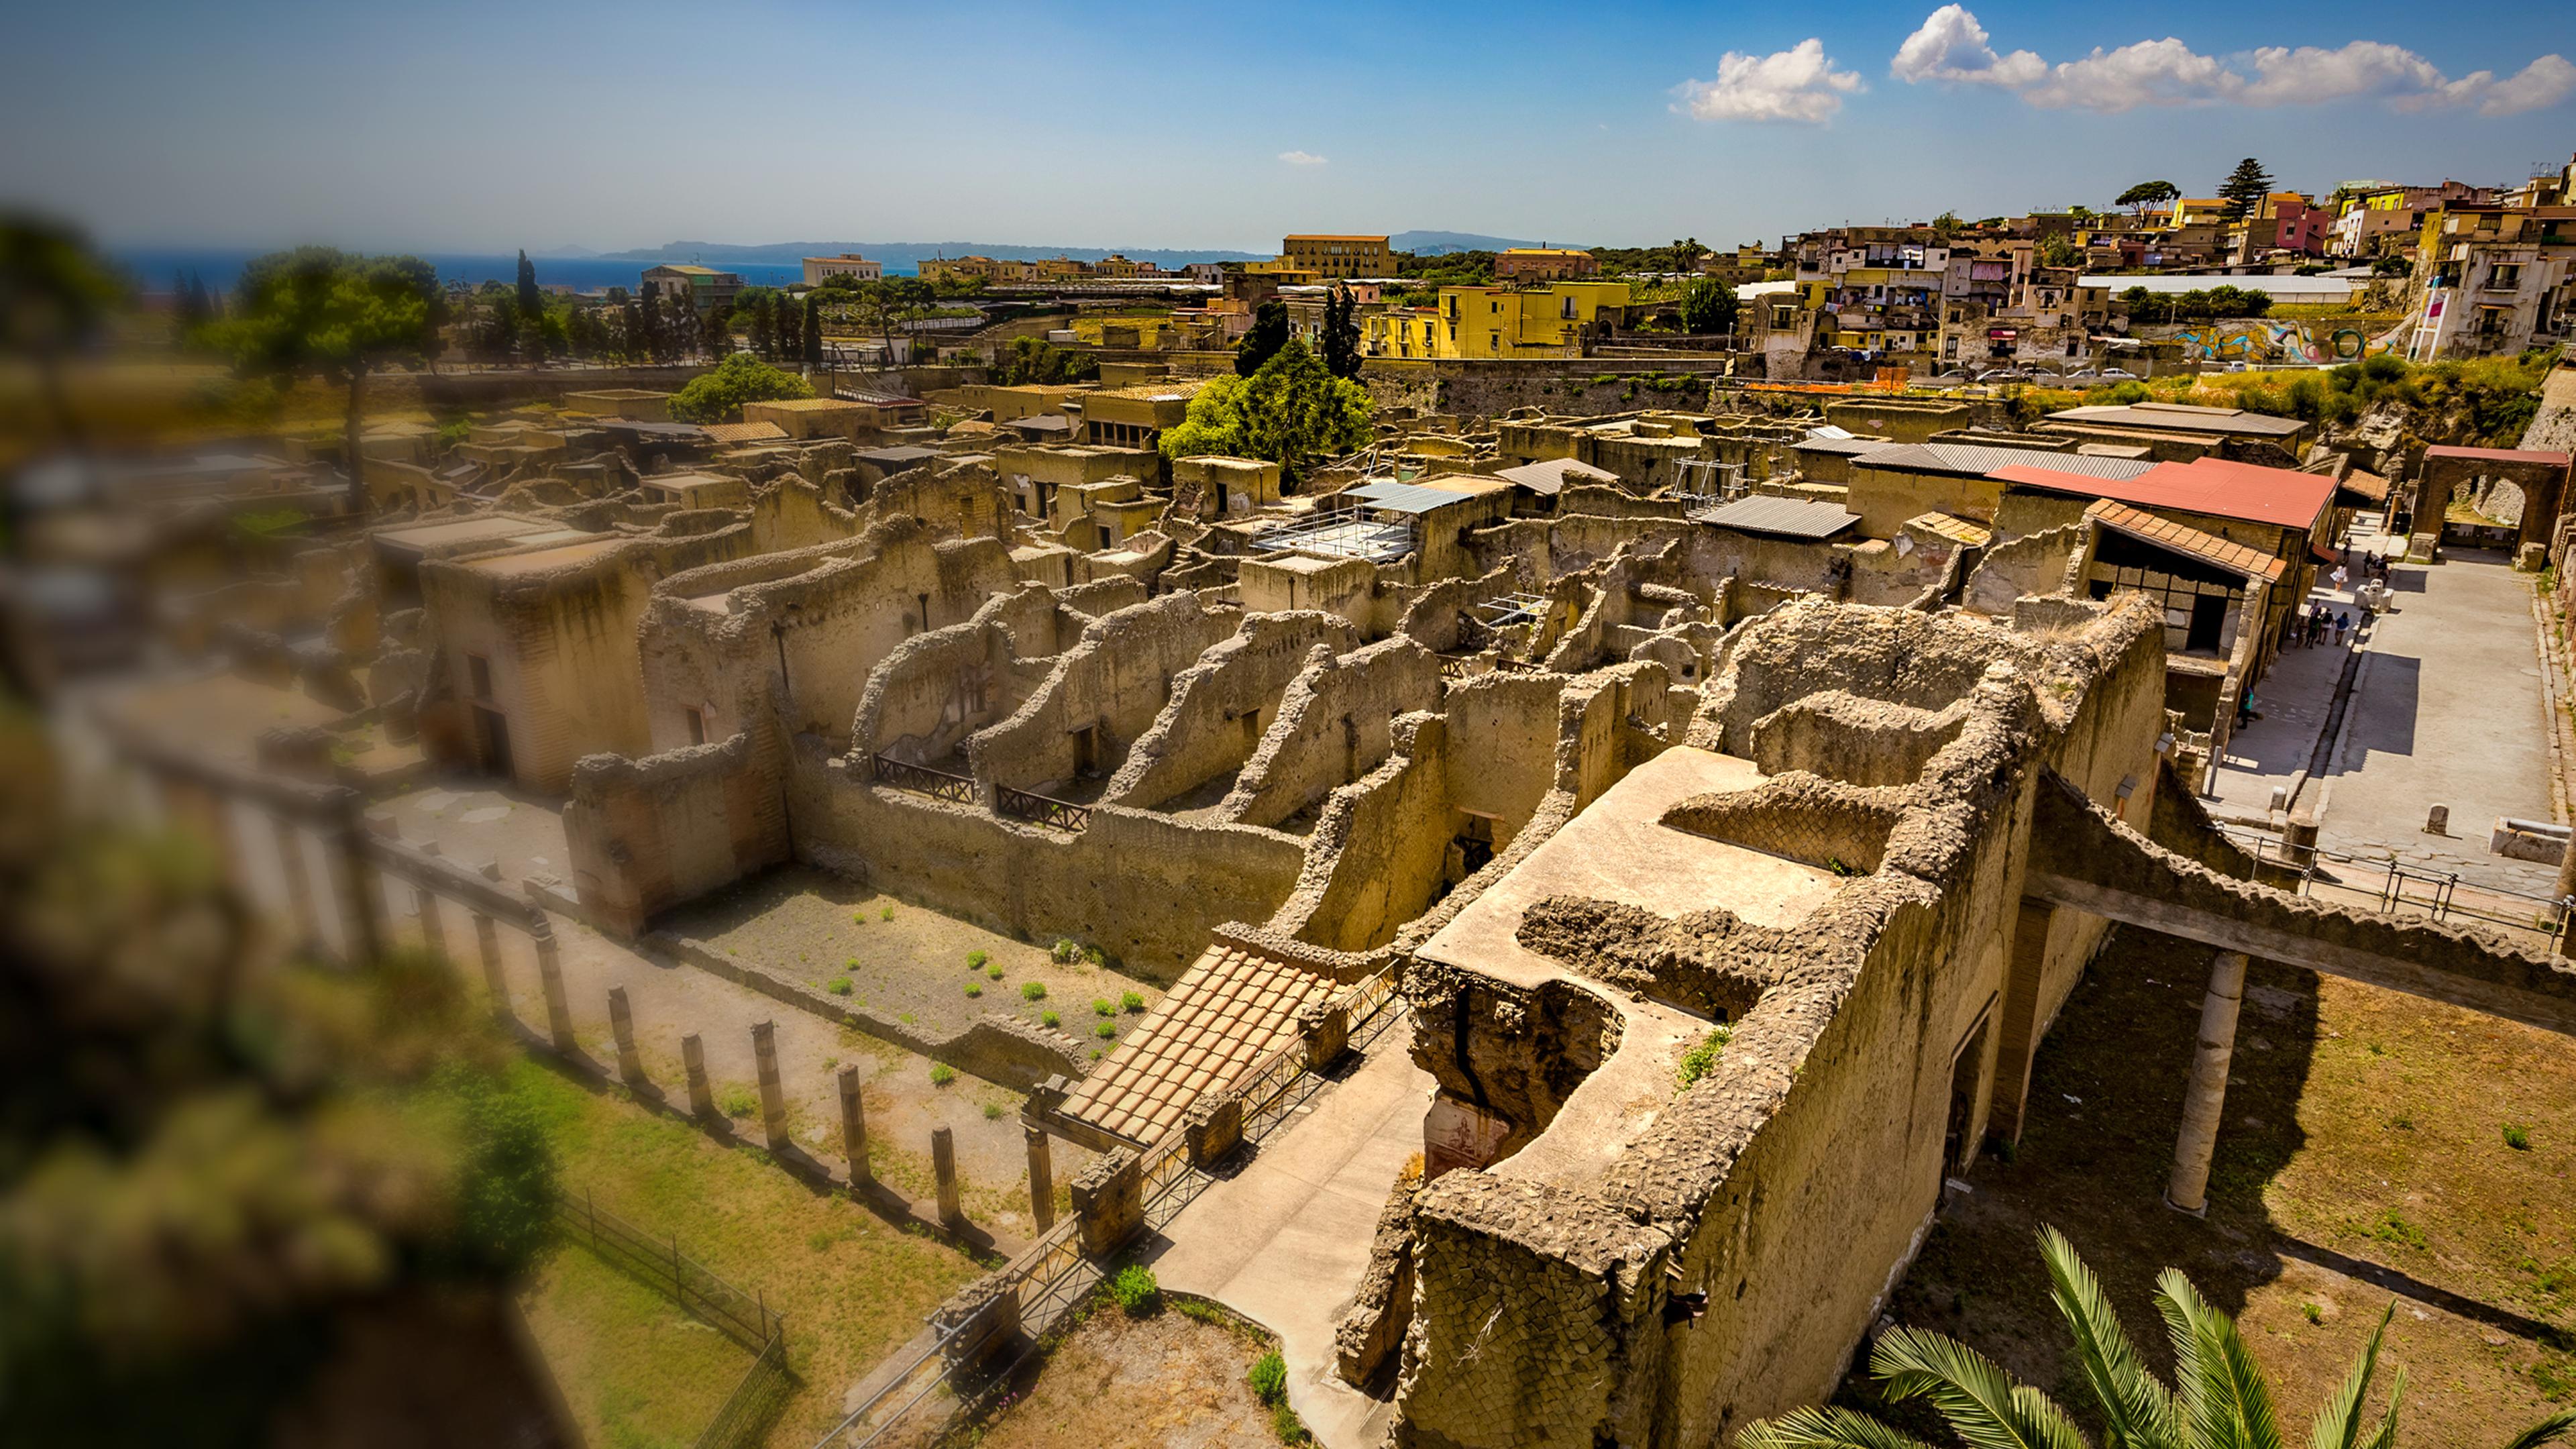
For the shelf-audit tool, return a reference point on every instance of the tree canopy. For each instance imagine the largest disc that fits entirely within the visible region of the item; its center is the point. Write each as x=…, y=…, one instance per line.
x=1341, y=334
x=2147, y=195
x=1290, y=412
x=336, y=316
x=531, y=300
x=2245, y=188
x=55, y=291
x=718, y=396
x=1035, y=360
x=1269, y=333
x=1708, y=306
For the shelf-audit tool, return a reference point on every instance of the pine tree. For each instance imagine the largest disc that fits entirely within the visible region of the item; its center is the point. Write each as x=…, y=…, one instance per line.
x=791, y=337
x=764, y=328
x=1341, y=333
x=813, y=332
x=531, y=301
x=2245, y=188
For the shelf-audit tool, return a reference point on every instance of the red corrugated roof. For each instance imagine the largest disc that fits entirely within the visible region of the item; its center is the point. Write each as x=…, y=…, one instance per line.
x=2497, y=455
x=2209, y=486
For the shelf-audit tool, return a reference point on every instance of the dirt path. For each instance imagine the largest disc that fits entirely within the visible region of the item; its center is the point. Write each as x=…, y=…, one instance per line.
x=1164, y=1382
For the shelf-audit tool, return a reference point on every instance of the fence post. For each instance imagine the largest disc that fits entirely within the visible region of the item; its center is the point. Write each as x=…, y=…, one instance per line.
x=854, y=1129
x=943, y=1165
x=679, y=1280
x=299, y=884
x=487, y=939
x=702, y=1098
x=550, y=976
x=621, y=1024
x=1041, y=1177
x=433, y=931
x=773, y=1099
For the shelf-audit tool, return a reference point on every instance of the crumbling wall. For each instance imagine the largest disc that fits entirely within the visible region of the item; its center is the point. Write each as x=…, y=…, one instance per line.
x=2041, y=563
x=1380, y=850
x=1221, y=706
x=795, y=514
x=648, y=834
x=933, y=690
x=1110, y=687
x=1335, y=724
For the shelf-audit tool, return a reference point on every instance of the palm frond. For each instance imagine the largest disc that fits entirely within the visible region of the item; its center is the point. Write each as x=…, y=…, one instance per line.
x=1823, y=1429
x=2385, y=1436
x=2139, y=1411
x=2224, y=1399
x=2338, y=1422
x=2548, y=1431
x=1982, y=1403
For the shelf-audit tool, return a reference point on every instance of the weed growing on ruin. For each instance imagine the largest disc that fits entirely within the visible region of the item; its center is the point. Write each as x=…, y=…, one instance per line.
x=737, y=1102
x=2517, y=1137
x=886, y=915
x=1094, y=956
x=1702, y=1058
x=975, y=960
x=974, y=988
x=1049, y=1018
x=858, y=918
x=2312, y=1313
x=941, y=1074
x=1100, y=1005
x=1064, y=951
x=1268, y=1377
x=1095, y=1054
x=1285, y=1423
x=1136, y=1291
x=1033, y=991
x=840, y=986
x=1131, y=1001
x=992, y=1111
x=904, y=1016
x=1106, y=1031
x=850, y=965
x=995, y=972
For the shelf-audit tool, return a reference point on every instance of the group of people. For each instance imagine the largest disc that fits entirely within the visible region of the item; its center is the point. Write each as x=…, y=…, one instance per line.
x=2319, y=625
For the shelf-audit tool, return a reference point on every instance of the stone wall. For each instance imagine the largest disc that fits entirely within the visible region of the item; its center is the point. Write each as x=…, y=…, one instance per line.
x=1335, y=724
x=645, y=835
x=1221, y=706
x=1109, y=687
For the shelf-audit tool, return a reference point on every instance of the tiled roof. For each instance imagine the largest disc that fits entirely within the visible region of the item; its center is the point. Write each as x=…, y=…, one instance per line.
x=1952, y=527
x=2213, y=487
x=2164, y=533
x=1229, y=1010
x=744, y=432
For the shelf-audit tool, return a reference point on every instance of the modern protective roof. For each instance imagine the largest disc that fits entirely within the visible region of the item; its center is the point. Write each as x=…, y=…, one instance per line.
x=2498, y=455
x=2179, y=538
x=2182, y=418
x=1405, y=497
x=746, y=432
x=1972, y=460
x=1780, y=517
x=2211, y=487
x=1230, y=1009
x=1550, y=475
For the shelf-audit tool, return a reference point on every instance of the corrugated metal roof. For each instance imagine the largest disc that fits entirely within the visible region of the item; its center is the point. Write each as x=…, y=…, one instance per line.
x=2181, y=418
x=1783, y=517
x=2212, y=487
x=1405, y=497
x=2497, y=455
x=1977, y=460
x=2181, y=538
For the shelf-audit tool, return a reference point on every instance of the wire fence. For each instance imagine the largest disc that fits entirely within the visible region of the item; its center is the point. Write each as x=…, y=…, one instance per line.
x=2391, y=887
x=1053, y=1275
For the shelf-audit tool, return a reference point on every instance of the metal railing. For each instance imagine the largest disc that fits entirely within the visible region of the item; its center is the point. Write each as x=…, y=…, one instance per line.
x=747, y=1411
x=2391, y=887
x=922, y=779
x=1040, y=809
x=1053, y=1275
x=746, y=1318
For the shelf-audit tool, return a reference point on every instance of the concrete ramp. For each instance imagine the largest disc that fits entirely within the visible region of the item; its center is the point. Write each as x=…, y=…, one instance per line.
x=2084, y=859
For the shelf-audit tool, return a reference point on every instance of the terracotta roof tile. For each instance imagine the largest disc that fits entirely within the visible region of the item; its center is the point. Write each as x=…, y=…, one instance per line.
x=1227, y=1011
x=2165, y=533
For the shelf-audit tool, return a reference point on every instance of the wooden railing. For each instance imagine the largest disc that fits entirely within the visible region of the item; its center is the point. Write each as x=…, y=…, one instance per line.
x=1040, y=809
x=922, y=779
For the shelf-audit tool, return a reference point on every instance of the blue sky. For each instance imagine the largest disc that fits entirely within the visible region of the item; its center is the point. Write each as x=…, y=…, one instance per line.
x=473, y=126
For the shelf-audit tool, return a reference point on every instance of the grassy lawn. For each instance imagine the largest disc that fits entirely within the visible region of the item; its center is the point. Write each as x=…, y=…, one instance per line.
x=2375, y=1146
x=851, y=1286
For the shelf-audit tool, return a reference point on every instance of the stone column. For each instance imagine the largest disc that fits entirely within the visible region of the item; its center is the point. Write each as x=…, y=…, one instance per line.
x=854, y=1130
x=1109, y=1202
x=1041, y=1177
x=433, y=931
x=350, y=878
x=943, y=1165
x=299, y=882
x=773, y=1098
x=702, y=1098
x=2206, y=1097
x=487, y=939
x=550, y=976
x=621, y=1024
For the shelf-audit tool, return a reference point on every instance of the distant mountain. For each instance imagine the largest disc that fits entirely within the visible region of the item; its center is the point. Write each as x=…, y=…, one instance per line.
x=1440, y=243
x=904, y=256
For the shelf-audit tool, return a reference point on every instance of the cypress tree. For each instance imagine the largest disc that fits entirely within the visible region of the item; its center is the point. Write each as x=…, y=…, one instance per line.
x=791, y=338
x=531, y=301
x=813, y=331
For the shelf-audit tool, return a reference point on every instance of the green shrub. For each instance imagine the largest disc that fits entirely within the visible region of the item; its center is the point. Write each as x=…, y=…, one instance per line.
x=850, y=965
x=995, y=972
x=1130, y=1001
x=1094, y=956
x=1697, y=1062
x=1136, y=1291
x=1106, y=1031
x=1064, y=951
x=737, y=1102
x=1269, y=1378
x=1049, y=1018
x=941, y=1074
x=1285, y=1423
x=975, y=960
x=2517, y=1137
x=992, y=1111
x=1033, y=991
x=840, y=986
x=974, y=988
x=886, y=915
x=1101, y=1005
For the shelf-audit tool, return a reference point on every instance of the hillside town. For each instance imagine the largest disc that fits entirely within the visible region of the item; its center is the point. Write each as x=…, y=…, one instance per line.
x=1465, y=848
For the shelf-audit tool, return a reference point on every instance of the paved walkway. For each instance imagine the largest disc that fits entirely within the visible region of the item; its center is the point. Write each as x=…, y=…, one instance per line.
x=2448, y=709
x=1284, y=1241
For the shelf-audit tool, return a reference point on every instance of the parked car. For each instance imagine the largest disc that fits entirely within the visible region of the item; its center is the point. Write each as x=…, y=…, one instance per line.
x=2116, y=374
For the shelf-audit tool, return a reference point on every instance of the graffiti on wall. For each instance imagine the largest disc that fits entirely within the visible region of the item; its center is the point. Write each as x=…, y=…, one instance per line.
x=2253, y=339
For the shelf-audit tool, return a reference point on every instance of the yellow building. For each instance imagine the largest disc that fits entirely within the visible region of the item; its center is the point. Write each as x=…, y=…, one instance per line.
x=1476, y=322
x=1338, y=256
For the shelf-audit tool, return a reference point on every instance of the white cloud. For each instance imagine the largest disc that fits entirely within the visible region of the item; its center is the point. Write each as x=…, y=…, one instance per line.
x=1952, y=46
x=1301, y=158
x=1797, y=84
